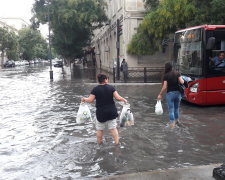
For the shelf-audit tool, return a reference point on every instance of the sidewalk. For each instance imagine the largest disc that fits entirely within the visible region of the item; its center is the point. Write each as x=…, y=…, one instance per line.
x=190, y=173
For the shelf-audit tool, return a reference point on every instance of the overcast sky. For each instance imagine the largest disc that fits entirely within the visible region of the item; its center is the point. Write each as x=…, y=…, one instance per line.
x=18, y=9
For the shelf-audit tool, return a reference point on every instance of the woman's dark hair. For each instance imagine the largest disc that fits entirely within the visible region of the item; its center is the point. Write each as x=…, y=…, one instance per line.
x=168, y=67
x=101, y=78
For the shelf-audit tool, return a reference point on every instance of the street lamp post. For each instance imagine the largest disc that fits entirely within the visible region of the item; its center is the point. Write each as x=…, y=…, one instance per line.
x=49, y=46
x=118, y=49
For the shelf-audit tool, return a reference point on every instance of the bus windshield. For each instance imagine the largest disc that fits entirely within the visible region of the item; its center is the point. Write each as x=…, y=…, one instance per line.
x=188, y=52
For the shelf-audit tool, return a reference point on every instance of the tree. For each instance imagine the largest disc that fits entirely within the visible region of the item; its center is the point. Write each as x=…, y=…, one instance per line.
x=151, y=4
x=171, y=15
x=41, y=50
x=209, y=12
x=32, y=44
x=8, y=43
x=157, y=24
x=72, y=23
x=218, y=11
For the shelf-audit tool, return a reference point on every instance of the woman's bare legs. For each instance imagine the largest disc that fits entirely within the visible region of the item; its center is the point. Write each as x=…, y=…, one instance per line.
x=115, y=135
x=99, y=134
x=114, y=132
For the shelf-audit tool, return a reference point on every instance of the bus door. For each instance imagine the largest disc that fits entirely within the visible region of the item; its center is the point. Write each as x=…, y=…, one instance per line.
x=215, y=81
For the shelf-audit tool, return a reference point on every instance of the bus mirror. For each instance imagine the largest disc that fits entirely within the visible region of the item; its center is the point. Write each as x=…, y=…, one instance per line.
x=210, y=43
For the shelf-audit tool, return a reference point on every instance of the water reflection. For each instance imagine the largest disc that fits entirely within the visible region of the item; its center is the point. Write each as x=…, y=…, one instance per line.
x=39, y=137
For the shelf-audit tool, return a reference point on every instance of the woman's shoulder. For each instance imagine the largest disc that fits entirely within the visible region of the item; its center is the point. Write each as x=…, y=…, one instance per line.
x=110, y=86
x=172, y=74
x=177, y=73
x=97, y=87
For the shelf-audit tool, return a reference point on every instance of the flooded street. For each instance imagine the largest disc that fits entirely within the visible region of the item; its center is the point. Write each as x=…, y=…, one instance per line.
x=40, y=139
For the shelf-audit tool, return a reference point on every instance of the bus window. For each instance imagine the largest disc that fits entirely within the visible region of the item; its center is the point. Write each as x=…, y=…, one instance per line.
x=217, y=58
x=217, y=63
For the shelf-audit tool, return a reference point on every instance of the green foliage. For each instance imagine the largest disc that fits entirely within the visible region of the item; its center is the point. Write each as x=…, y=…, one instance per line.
x=32, y=44
x=208, y=12
x=151, y=4
x=72, y=23
x=169, y=16
x=217, y=11
x=8, y=43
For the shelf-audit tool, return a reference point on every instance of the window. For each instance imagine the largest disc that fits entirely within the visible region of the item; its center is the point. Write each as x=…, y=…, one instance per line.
x=135, y=5
x=119, y=4
x=115, y=7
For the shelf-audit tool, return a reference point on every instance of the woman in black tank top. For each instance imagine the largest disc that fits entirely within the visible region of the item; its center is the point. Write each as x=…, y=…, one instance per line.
x=106, y=111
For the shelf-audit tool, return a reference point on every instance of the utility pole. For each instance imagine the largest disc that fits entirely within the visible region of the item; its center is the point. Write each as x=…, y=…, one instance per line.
x=49, y=44
x=118, y=33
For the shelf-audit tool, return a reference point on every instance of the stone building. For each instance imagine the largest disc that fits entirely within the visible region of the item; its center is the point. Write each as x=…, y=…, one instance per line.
x=129, y=14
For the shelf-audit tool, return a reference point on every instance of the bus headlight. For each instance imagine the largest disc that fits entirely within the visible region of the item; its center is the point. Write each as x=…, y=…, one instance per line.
x=194, y=88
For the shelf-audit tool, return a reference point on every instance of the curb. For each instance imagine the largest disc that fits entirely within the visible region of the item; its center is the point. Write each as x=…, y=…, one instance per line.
x=190, y=173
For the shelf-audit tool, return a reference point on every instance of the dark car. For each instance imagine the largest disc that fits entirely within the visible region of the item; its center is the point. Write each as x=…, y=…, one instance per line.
x=9, y=63
x=58, y=64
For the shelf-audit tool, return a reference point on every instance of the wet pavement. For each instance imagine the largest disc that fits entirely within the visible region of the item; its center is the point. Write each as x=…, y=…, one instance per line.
x=40, y=139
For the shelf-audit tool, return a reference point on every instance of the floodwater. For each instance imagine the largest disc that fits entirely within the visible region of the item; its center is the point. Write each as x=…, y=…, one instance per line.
x=40, y=139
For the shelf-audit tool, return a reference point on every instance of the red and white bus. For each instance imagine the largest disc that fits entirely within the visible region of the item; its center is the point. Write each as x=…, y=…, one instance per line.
x=194, y=47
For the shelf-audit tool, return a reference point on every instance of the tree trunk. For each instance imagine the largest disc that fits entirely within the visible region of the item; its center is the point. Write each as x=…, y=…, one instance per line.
x=2, y=58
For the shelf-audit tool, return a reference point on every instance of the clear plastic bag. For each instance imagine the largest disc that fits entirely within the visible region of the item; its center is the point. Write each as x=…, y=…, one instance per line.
x=83, y=114
x=126, y=116
x=158, y=108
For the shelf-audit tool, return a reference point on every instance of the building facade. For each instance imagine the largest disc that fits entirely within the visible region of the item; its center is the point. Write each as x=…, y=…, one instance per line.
x=129, y=14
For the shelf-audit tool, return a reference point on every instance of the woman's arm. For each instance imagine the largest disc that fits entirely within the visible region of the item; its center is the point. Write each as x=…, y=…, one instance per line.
x=180, y=79
x=164, y=87
x=118, y=97
x=90, y=99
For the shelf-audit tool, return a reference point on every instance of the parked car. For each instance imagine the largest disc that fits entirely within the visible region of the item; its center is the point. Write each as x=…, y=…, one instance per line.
x=58, y=64
x=9, y=63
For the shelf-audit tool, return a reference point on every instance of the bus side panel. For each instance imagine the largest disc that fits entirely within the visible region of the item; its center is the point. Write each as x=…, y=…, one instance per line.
x=197, y=98
x=216, y=90
x=215, y=97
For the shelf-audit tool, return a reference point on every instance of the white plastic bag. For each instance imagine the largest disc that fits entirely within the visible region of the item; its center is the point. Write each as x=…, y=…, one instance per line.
x=158, y=108
x=83, y=113
x=126, y=116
